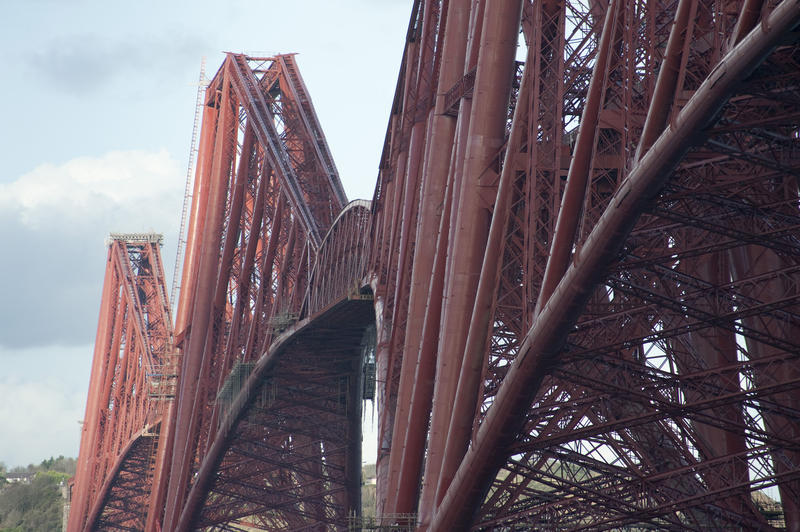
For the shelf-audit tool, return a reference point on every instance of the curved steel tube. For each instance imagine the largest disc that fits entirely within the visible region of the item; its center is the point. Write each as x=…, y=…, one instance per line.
x=543, y=340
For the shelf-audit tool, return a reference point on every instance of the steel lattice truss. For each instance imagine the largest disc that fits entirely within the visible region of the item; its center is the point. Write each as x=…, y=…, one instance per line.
x=606, y=331
x=130, y=373
x=125, y=506
x=583, y=263
x=294, y=457
x=271, y=293
x=270, y=243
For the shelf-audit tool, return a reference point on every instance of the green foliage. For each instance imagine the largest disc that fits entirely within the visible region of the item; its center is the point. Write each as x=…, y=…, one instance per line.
x=38, y=505
x=56, y=477
x=60, y=465
x=368, y=495
x=368, y=471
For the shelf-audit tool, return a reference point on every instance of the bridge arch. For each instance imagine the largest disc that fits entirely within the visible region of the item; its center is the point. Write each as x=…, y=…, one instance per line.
x=287, y=453
x=123, y=498
x=343, y=258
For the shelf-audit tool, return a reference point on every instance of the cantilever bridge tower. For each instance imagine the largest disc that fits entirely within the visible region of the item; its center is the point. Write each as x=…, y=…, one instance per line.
x=577, y=285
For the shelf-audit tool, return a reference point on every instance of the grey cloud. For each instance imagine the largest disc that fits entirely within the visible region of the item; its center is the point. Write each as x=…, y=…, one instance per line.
x=80, y=64
x=51, y=278
x=52, y=285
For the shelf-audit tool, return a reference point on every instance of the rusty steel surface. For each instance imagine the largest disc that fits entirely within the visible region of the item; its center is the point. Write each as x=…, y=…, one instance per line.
x=578, y=281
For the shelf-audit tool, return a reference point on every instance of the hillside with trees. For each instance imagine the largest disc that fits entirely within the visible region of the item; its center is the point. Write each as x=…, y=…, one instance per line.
x=30, y=497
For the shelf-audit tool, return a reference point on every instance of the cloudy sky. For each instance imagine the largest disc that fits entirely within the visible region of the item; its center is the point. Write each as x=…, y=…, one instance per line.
x=98, y=102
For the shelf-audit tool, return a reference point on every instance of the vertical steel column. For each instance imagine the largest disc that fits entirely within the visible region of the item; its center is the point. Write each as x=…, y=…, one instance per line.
x=155, y=514
x=352, y=472
x=194, y=355
x=393, y=169
x=751, y=261
x=581, y=165
x=545, y=26
x=474, y=362
x=205, y=153
x=494, y=75
x=424, y=388
x=408, y=437
x=748, y=18
x=416, y=104
x=668, y=75
x=715, y=348
x=84, y=474
x=222, y=356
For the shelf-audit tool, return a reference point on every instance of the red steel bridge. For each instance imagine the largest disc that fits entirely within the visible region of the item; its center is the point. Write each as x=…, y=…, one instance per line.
x=575, y=292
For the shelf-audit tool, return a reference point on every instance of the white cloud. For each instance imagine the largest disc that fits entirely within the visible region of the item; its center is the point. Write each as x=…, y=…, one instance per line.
x=55, y=220
x=39, y=421
x=123, y=185
x=53, y=223
x=83, y=62
x=42, y=403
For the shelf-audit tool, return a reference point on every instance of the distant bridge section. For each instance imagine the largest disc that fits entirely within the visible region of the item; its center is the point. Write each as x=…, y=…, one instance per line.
x=134, y=373
x=268, y=221
x=271, y=328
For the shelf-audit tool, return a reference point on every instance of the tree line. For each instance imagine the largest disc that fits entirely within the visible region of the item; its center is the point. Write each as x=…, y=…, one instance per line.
x=30, y=496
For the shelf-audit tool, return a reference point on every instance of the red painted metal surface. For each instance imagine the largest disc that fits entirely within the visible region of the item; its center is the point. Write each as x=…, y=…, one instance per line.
x=583, y=262
x=132, y=378
x=267, y=192
x=619, y=352
x=270, y=242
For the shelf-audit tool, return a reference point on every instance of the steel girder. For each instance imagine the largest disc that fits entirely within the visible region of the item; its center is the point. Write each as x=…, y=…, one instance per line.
x=270, y=242
x=132, y=367
x=585, y=271
x=125, y=494
x=287, y=452
x=263, y=252
x=603, y=334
